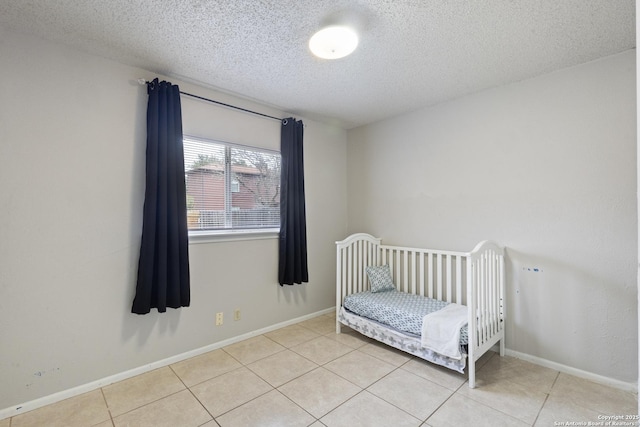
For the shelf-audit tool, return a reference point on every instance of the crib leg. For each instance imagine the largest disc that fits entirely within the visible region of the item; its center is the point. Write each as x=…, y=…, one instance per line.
x=472, y=375
x=338, y=326
x=502, y=347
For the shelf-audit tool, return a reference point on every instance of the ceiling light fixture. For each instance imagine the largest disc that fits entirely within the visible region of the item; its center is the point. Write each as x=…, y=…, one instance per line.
x=334, y=42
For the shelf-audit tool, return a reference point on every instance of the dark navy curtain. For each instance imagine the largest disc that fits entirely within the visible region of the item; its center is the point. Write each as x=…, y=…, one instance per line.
x=163, y=267
x=293, y=225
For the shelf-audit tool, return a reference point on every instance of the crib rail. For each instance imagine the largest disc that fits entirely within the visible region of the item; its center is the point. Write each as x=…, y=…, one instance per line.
x=354, y=254
x=486, y=294
x=432, y=273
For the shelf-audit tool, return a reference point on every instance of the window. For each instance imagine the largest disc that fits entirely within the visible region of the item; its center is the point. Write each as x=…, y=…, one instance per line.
x=231, y=187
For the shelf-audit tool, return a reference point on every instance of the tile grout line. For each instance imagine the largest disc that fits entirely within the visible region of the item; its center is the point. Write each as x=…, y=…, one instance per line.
x=238, y=406
x=343, y=403
x=292, y=379
x=243, y=365
x=106, y=404
x=390, y=403
x=148, y=403
x=455, y=392
x=555, y=380
x=318, y=366
x=192, y=394
x=496, y=409
x=315, y=419
x=440, y=406
x=540, y=410
x=546, y=398
x=452, y=392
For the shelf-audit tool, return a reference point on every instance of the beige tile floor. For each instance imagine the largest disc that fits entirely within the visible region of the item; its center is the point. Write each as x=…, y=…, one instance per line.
x=306, y=375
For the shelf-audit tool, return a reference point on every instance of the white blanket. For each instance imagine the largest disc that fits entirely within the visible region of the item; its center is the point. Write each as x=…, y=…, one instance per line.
x=441, y=330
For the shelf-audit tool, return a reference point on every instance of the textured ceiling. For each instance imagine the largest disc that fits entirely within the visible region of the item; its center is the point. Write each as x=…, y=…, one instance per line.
x=412, y=53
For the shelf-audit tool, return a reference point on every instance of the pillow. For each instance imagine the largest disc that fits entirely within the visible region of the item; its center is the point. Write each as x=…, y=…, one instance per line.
x=380, y=278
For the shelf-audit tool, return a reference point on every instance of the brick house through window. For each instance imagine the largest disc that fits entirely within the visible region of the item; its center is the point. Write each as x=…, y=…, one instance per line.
x=249, y=198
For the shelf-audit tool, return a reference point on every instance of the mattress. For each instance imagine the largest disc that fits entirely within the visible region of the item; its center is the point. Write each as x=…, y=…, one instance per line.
x=400, y=340
x=399, y=310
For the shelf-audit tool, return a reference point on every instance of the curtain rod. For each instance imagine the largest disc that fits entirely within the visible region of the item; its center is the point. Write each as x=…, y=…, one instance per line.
x=146, y=82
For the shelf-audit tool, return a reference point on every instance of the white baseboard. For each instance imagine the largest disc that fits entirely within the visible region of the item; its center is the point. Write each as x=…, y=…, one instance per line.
x=622, y=385
x=94, y=385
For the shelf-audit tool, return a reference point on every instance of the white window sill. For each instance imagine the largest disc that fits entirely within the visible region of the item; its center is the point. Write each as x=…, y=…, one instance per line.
x=210, y=236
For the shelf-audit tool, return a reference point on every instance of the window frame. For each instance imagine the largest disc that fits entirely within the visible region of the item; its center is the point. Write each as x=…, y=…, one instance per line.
x=231, y=234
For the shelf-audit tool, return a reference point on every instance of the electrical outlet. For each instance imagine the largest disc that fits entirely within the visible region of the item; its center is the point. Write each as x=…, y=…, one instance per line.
x=219, y=318
x=236, y=314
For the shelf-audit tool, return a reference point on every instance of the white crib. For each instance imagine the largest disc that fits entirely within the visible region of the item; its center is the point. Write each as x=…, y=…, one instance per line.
x=475, y=279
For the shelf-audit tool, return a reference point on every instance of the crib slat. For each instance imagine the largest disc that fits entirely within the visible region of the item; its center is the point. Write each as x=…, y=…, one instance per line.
x=397, y=270
x=478, y=285
x=343, y=273
x=459, y=279
x=481, y=301
x=490, y=295
x=390, y=258
x=449, y=288
x=472, y=304
x=413, y=268
x=430, y=262
x=349, y=270
x=483, y=297
x=374, y=254
x=357, y=284
x=361, y=281
x=363, y=265
x=421, y=278
x=494, y=294
x=439, y=277
x=406, y=270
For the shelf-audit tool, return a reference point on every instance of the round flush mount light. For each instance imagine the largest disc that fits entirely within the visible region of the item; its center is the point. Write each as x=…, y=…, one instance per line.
x=334, y=42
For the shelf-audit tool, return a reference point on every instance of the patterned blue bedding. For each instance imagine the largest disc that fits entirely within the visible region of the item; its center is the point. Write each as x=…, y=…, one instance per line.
x=400, y=310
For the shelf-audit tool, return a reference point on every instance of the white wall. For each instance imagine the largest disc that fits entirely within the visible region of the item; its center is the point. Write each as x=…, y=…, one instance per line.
x=546, y=167
x=72, y=143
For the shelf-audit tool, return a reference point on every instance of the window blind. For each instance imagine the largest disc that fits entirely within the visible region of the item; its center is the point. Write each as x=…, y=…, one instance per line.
x=231, y=187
